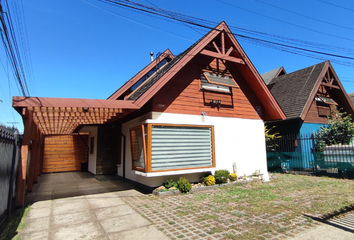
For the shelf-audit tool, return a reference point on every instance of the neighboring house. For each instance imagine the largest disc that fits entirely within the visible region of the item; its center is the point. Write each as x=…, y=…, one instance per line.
x=351, y=96
x=307, y=97
x=182, y=115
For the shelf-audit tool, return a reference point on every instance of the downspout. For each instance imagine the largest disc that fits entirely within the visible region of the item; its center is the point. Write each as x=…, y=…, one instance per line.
x=123, y=163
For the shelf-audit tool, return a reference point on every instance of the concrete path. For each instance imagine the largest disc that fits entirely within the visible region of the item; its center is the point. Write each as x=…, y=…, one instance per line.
x=92, y=216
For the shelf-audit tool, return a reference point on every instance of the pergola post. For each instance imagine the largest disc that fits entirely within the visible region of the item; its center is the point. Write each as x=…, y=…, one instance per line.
x=27, y=117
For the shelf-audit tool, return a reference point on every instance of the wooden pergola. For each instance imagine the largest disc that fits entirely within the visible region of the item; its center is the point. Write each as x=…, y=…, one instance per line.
x=57, y=116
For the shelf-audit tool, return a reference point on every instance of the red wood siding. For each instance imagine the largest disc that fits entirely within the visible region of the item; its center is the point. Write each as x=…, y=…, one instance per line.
x=182, y=95
x=313, y=115
x=63, y=153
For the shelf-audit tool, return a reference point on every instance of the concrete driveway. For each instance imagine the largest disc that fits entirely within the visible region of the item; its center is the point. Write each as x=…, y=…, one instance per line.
x=76, y=205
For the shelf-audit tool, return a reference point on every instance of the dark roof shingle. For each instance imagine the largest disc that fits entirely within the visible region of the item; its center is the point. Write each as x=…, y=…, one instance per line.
x=292, y=91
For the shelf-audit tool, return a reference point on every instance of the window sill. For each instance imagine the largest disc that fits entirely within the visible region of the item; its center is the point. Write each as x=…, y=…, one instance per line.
x=169, y=173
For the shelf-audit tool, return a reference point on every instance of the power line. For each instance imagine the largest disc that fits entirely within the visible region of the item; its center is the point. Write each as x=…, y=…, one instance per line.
x=11, y=48
x=293, y=24
x=305, y=16
x=338, y=6
x=281, y=43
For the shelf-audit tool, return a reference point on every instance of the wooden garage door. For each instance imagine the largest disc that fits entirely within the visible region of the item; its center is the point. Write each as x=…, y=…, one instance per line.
x=63, y=153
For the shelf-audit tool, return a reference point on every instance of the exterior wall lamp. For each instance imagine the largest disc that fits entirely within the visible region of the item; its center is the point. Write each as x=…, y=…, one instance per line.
x=215, y=102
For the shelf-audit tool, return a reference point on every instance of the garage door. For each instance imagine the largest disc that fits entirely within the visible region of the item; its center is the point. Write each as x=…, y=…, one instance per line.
x=63, y=153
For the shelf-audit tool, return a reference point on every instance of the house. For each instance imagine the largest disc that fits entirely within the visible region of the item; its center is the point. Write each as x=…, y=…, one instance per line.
x=183, y=115
x=307, y=98
x=351, y=97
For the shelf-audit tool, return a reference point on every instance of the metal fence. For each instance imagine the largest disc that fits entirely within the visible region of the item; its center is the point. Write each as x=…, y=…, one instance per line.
x=307, y=153
x=10, y=145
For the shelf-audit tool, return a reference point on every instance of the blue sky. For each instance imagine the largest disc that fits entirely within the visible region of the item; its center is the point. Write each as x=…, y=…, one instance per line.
x=88, y=49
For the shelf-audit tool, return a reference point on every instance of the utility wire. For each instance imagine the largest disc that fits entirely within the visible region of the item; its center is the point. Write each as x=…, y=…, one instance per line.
x=9, y=40
x=338, y=6
x=293, y=24
x=305, y=16
x=206, y=24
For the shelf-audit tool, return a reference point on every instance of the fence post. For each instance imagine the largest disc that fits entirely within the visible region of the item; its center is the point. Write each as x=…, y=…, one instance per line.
x=9, y=202
x=314, y=154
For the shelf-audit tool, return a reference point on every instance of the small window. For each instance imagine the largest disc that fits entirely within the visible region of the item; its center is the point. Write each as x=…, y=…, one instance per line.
x=220, y=78
x=327, y=100
x=205, y=85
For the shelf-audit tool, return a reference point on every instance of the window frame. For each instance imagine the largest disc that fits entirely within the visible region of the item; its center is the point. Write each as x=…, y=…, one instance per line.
x=220, y=73
x=144, y=147
x=147, y=143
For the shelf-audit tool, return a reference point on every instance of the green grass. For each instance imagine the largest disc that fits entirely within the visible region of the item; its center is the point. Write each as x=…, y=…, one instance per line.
x=201, y=196
x=205, y=217
x=12, y=226
x=281, y=204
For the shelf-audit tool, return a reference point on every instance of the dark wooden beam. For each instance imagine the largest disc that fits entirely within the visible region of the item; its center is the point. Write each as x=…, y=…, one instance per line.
x=330, y=85
x=216, y=47
x=221, y=56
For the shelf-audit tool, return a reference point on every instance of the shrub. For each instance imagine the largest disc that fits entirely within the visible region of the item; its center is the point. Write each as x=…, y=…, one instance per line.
x=221, y=176
x=339, y=130
x=233, y=176
x=183, y=185
x=209, y=180
x=169, y=183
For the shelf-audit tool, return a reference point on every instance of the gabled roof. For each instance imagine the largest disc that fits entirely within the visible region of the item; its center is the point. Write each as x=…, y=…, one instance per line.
x=295, y=91
x=62, y=116
x=233, y=54
x=351, y=96
x=268, y=76
x=166, y=54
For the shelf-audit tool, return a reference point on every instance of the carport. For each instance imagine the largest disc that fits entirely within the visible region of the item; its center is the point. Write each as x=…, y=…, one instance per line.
x=44, y=117
x=71, y=184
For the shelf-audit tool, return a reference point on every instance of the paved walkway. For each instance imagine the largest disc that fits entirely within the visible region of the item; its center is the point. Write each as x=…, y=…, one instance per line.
x=77, y=206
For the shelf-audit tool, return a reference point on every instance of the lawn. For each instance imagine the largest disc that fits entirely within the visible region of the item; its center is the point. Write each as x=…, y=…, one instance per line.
x=255, y=210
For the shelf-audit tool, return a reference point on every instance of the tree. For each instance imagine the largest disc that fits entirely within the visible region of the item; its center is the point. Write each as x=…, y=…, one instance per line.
x=339, y=130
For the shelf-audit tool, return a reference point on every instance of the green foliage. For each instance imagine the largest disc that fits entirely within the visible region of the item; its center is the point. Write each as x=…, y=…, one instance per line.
x=221, y=176
x=169, y=183
x=233, y=176
x=209, y=180
x=271, y=134
x=339, y=130
x=183, y=185
x=256, y=173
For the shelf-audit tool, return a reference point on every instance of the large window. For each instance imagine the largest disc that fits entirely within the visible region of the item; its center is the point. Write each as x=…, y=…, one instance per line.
x=172, y=147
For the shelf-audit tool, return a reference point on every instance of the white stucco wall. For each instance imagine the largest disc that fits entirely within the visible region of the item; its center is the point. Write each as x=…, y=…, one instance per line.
x=92, y=130
x=236, y=140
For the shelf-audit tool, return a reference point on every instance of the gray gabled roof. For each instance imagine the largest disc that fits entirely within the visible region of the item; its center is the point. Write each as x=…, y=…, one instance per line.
x=268, y=76
x=292, y=91
x=351, y=96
